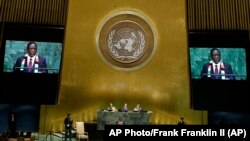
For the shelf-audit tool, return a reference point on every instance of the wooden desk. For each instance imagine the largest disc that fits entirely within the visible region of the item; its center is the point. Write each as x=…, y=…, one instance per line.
x=130, y=118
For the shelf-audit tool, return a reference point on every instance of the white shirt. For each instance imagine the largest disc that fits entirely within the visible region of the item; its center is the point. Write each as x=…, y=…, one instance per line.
x=218, y=66
x=32, y=59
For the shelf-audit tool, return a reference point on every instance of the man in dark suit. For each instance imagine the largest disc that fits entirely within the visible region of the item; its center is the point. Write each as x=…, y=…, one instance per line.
x=125, y=108
x=216, y=69
x=68, y=127
x=12, y=124
x=31, y=62
x=181, y=121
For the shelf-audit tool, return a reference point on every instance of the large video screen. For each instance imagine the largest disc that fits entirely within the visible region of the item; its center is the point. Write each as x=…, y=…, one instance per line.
x=219, y=70
x=30, y=63
x=47, y=58
x=229, y=62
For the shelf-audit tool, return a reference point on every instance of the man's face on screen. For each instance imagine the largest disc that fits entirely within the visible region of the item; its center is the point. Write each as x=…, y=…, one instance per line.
x=32, y=49
x=215, y=56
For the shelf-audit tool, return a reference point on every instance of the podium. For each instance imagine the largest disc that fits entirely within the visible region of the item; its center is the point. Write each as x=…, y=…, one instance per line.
x=130, y=118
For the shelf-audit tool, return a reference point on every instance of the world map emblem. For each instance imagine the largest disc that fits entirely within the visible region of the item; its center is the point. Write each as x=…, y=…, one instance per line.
x=126, y=40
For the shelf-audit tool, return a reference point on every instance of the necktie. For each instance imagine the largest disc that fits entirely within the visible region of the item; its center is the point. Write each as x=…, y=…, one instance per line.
x=30, y=65
x=216, y=71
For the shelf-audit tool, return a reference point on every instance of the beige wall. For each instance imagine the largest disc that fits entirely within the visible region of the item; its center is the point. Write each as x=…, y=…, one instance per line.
x=88, y=83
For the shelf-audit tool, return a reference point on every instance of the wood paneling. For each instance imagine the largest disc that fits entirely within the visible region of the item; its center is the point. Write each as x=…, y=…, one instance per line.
x=218, y=14
x=52, y=12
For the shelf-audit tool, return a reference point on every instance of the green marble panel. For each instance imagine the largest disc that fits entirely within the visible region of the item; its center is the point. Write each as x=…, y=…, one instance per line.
x=130, y=118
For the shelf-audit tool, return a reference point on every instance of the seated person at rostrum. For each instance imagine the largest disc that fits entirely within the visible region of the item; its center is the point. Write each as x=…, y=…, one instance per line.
x=111, y=108
x=137, y=108
x=120, y=121
x=125, y=108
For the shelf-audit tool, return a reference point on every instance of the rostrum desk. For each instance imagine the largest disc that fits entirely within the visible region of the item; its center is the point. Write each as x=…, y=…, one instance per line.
x=130, y=118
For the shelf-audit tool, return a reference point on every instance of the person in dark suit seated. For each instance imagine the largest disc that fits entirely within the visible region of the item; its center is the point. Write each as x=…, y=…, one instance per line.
x=68, y=126
x=31, y=62
x=216, y=69
x=125, y=108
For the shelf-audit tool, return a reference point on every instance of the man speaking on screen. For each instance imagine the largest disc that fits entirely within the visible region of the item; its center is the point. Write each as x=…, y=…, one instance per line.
x=31, y=62
x=216, y=69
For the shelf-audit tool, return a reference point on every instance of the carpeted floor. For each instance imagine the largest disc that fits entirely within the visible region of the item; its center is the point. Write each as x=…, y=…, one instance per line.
x=52, y=137
x=60, y=137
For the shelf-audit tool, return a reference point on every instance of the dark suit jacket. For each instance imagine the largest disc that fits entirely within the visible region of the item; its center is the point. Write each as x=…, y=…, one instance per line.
x=68, y=123
x=124, y=109
x=227, y=68
x=41, y=65
x=12, y=123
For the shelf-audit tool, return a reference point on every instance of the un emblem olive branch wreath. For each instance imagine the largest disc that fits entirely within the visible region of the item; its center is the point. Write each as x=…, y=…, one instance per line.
x=114, y=52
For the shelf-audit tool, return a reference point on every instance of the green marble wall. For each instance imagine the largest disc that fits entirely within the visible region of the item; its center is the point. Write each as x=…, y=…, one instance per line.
x=130, y=118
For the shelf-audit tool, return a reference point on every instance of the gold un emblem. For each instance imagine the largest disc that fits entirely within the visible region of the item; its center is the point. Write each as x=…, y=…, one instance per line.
x=126, y=40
